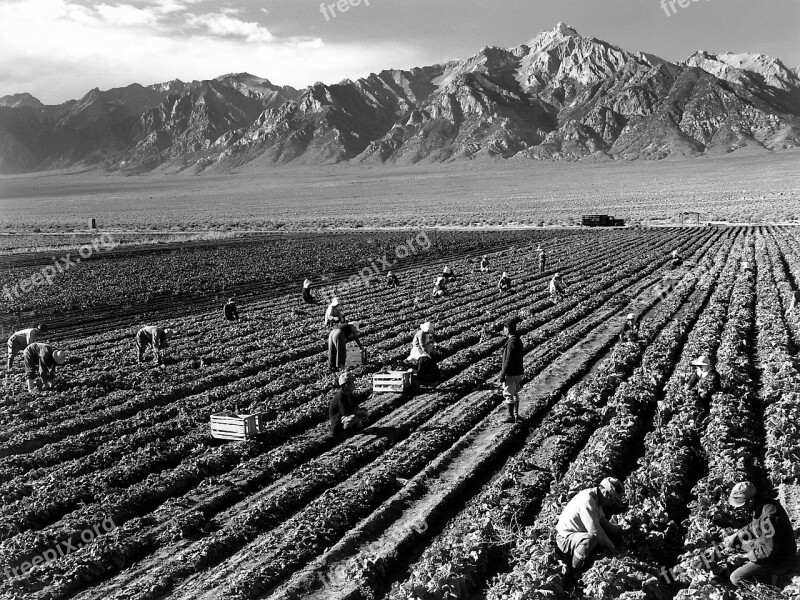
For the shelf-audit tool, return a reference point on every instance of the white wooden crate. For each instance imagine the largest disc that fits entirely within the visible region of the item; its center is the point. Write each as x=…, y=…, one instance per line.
x=240, y=427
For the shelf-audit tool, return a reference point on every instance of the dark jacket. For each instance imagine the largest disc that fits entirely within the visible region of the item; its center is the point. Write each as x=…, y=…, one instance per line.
x=392, y=280
x=342, y=405
x=629, y=329
x=512, y=357
x=231, y=312
x=769, y=538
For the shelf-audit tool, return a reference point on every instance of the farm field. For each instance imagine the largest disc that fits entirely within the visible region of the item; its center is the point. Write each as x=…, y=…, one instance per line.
x=744, y=187
x=436, y=497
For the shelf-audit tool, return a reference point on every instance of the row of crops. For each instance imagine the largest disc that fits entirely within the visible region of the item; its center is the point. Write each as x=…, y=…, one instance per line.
x=436, y=497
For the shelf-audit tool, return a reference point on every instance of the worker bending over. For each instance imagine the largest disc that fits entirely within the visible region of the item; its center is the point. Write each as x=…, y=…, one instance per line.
x=439, y=287
x=155, y=338
x=630, y=330
x=391, y=280
x=230, y=310
x=583, y=526
x=20, y=340
x=448, y=274
x=484, y=264
x=308, y=297
x=337, y=344
x=767, y=542
x=504, y=285
x=40, y=362
x=556, y=287
x=333, y=314
x=676, y=259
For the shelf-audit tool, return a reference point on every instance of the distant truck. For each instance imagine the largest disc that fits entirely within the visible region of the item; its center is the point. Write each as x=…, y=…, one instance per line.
x=602, y=221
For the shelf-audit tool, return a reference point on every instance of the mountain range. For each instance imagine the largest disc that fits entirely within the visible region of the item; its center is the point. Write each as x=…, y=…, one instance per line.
x=560, y=96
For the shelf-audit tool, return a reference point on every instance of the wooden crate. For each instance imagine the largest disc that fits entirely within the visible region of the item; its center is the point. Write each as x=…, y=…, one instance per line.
x=393, y=381
x=239, y=427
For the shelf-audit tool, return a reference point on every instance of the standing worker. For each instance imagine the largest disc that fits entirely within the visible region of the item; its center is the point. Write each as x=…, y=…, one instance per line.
x=308, y=297
x=512, y=370
x=230, y=310
x=20, y=340
x=342, y=410
x=41, y=361
x=391, y=280
x=333, y=314
x=630, y=330
x=504, y=285
x=583, y=526
x=768, y=541
x=556, y=287
x=484, y=264
x=337, y=344
x=542, y=258
x=155, y=338
x=705, y=379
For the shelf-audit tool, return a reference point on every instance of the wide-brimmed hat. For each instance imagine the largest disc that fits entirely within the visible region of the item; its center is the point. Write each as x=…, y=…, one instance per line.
x=614, y=488
x=345, y=377
x=427, y=327
x=505, y=274
x=741, y=493
x=169, y=333
x=306, y=283
x=59, y=356
x=334, y=302
x=231, y=299
x=702, y=361
x=631, y=317
x=556, y=275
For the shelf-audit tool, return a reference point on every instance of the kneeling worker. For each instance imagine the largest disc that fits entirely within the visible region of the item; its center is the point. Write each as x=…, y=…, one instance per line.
x=504, y=285
x=768, y=540
x=583, y=526
x=342, y=411
x=41, y=361
x=423, y=347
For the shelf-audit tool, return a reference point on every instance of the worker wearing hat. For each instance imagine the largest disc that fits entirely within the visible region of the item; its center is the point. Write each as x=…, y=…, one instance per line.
x=677, y=260
x=556, y=287
x=308, y=297
x=768, y=541
x=504, y=285
x=391, y=280
x=583, y=526
x=447, y=273
x=337, y=344
x=423, y=349
x=230, y=310
x=542, y=258
x=155, y=338
x=333, y=314
x=630, y=330
x=705, y=379
x=41, y=361
x=440, y=287
x=20, y=340
x=484, y=264
x=343, y=413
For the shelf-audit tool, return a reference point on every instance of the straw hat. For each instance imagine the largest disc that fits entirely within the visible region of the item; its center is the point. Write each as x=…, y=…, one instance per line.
x=306, y=283
x=504, y=274
x=335, y=302
x=60, y=356
x=614, y=488
x=631, y=316
x=427, y=327
x=703, y=361
x=741, y=493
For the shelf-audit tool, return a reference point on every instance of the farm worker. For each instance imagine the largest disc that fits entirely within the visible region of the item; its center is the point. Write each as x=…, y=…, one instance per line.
x=705, y=379
x=439, y=287
x=230, y=310
x=424, y=341
x=542, y=258
x=630, y=330
x=512, y=370
x=447, y=273
x=583, y=526
x=337, y=344
x=308, y=297
x=41, y=361
x=484, y=264
x=676, y=259
x=391, y=280
x=20, y=340
x=342, y=411
x=155, y=337
x=556, y=287
x=768, y=541
x=504, y=284
x=333, y=314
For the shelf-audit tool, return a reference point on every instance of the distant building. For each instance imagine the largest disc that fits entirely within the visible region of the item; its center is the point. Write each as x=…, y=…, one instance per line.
x=602, y=221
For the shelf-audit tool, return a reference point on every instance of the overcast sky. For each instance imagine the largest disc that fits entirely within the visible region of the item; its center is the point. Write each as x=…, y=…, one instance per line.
x=60, y=49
